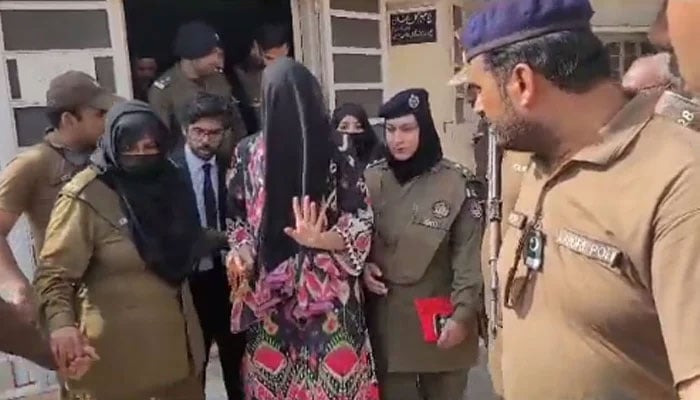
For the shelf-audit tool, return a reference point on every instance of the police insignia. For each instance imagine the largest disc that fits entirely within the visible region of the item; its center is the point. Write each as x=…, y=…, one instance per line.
x=475, y=209
x=441, y=209
x=413, y=101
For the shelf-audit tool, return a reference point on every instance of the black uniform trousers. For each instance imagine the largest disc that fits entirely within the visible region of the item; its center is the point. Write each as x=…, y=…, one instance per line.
x=211, y=295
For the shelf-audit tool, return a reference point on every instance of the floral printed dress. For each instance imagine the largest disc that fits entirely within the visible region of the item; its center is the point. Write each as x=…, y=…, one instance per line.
x=306, y=331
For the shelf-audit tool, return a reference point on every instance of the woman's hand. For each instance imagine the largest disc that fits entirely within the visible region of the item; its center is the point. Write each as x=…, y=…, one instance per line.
x=452, y=334
x=73, y=355
x=310, y=223
x=239, y=265
x=372, y=277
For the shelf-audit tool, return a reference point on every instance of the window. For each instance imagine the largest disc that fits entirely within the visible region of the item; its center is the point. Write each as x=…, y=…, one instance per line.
x=624, y=49
x=355, y=64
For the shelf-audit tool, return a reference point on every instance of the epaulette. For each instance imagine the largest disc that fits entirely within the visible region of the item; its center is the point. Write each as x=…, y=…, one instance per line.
x=79, y=182
x=163, y=82
x=473, y=186
x=377, y=163
x=679, y=109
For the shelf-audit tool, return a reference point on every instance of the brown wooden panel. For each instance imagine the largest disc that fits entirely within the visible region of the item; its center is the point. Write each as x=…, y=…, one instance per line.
x=348, y=32
x=370, y=99
x=357, y=68
x=104, y=73
x=31, y=124
x=13, y=77
x=371, y=6
x=55, y=29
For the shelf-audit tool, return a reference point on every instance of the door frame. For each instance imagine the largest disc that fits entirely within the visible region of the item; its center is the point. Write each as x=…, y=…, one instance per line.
x=29, y=379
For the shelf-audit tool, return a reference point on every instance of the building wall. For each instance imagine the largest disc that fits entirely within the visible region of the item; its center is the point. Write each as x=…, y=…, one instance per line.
x=624, y=13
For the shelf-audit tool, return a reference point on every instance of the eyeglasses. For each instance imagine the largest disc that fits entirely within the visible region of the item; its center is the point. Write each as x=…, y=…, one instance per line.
x=208, y=133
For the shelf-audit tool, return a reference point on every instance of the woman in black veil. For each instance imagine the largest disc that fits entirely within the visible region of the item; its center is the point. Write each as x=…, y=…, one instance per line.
x=300, y=229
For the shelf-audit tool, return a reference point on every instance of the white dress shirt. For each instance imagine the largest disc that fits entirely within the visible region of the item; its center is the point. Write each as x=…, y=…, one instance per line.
x=196, y=168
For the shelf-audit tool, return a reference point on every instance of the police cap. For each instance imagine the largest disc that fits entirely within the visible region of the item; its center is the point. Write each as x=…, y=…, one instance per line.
x=409, y=101
x=505, y=22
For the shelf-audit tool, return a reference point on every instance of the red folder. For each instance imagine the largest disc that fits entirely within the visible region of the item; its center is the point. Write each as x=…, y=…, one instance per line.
x=431, y=312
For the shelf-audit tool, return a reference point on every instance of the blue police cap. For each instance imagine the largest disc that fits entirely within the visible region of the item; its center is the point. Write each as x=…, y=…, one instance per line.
x=504, y=22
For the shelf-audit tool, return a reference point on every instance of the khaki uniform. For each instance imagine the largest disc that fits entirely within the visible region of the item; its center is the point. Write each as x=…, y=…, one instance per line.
x=145, y=331
x=513, y=165
x=611, y=314
x=29, y=185
x=173, y=91
x=427, y=244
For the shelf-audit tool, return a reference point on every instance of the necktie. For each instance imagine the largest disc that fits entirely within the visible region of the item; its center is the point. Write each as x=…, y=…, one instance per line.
x=210, y=210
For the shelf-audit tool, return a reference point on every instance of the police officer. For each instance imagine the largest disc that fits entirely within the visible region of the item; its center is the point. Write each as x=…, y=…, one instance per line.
x=598, y=266
x=113, y=272
x=513, y=165
x=76, y=106
x=684, y=31
x=200, y=70
x=425, y=261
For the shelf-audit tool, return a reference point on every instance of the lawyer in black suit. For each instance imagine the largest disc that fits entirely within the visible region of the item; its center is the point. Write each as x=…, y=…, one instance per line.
x=204, y=127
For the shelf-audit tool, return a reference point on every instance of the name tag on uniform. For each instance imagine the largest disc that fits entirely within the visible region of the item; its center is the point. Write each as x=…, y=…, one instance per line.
x=517, y=220
x=594, y=249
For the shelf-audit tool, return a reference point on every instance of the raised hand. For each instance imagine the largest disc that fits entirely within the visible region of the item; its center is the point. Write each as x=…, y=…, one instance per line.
x=310, y=223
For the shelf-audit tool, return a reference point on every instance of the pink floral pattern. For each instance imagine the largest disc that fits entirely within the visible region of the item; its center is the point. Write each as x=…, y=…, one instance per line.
x=304, y=321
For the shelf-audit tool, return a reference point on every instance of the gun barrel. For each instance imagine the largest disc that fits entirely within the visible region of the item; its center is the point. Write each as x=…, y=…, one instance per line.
x=494, y=222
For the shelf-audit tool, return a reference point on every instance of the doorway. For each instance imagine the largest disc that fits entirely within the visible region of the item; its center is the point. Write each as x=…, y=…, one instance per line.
x=151, y=26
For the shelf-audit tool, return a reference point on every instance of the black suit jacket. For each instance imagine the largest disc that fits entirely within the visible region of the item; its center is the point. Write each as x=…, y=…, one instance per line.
x=215, y=242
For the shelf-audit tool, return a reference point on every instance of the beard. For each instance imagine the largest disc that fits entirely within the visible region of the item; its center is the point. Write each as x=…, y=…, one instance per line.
x=518, y=133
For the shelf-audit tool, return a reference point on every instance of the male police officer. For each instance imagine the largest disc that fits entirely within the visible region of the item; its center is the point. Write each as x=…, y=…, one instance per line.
x=30, y=183
x=604, y=285
x=513, y=165
x=200, y=70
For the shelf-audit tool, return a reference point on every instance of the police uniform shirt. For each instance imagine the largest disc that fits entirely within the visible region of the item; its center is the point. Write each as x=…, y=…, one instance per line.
x=31, y=181
x=611, y=313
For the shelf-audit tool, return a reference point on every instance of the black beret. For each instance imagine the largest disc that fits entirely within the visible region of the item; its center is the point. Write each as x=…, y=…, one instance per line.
x=409, y=101
x=504, y=22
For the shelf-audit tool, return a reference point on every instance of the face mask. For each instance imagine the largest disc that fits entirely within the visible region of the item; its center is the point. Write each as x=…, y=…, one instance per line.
x=147, y=166
x=362, y=143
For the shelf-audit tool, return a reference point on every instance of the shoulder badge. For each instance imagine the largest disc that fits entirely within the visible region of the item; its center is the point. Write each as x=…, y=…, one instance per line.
x=163, y=82
x=377, y=163
x=473, y=187
x=679, y=109
x=79, y=182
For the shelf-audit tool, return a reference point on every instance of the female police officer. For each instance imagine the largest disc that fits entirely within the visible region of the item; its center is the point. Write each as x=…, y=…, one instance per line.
x=425, y=260
x=119, y=248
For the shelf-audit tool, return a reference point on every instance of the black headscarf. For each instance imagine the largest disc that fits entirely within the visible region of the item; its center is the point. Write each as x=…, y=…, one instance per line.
x=161, y=220
x=294, y=124
x=363, y=144
x=429, y=152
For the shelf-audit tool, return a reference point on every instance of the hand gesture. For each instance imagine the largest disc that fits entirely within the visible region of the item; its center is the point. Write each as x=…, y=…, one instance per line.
x=372, y=278
x=72, y=353
x=452, y=334
x=310, y=223
x=239, y=264
x=81, y=365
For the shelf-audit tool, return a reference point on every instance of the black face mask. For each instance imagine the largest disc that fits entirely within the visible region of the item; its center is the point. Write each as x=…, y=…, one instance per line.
x=145, y=166
x=361, y=143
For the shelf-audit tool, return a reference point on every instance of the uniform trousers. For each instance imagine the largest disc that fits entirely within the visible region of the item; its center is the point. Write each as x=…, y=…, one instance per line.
x=424, y=386
x=211, y=296
x=23, y=339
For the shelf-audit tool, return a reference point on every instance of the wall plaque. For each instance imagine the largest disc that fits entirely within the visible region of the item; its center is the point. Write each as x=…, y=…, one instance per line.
x=413, y=27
